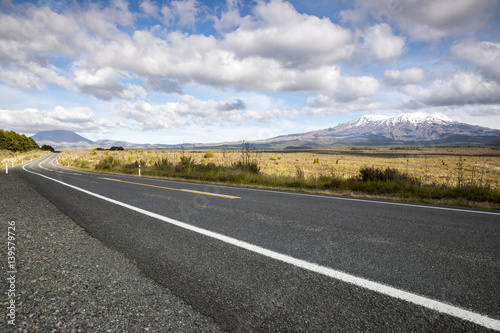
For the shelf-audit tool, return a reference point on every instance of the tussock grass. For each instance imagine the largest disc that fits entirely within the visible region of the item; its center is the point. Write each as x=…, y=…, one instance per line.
x=447, y=175
x=18, y=158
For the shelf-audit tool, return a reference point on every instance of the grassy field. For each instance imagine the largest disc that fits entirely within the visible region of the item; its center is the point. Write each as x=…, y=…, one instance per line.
x=463, y=176
x=18, y=158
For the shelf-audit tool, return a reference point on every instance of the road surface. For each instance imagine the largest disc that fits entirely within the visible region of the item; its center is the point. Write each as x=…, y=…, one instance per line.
x=262, y=261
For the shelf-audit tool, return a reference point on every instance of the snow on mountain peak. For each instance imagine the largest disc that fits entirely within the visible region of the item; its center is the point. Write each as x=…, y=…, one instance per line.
x=413, y=118
x=420, y=117
x=366, y=119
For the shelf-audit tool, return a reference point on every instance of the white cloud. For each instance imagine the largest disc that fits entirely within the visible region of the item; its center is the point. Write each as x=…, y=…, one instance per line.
x=149, y=8
x=353, y=94
x=408, y=76
x=80, y=119
x=461, y=88
x=277, y=31
x=103, y=83
x=483, y=55
x=21, y=79
x=229, y=20
x=183, y=13
x=426, y=20
x=187, y=111
x=270, y=115
x=349, y=90
x=382, y=45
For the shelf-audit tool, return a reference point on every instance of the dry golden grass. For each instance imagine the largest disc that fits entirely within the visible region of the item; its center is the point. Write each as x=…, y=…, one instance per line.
x=448, y=166
x=14, y=159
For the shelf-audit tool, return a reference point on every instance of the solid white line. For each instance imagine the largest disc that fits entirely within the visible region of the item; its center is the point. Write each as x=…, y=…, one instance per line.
x=368, y=201
x=358, y=281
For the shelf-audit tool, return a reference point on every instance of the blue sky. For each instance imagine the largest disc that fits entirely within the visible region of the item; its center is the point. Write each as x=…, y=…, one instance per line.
x=149, y=71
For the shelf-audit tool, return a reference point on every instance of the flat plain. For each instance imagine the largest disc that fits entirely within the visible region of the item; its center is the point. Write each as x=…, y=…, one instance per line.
x=450, y=166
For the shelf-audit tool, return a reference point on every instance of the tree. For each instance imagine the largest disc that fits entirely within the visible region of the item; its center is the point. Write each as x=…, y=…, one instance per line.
x=10, y=140
x=47, y=147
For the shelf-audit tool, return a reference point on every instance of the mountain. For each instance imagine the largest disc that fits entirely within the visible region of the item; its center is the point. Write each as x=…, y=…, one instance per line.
x=60, y=136
x=412, y=128
x=63, y=140
x=369, y=130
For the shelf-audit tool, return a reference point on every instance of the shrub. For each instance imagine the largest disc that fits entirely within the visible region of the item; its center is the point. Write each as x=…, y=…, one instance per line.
x=107, y=163
x=250, y=166
x=187, y=163
x=208, y=154
x=162, y=163
x=300, y=174
x=389, y=174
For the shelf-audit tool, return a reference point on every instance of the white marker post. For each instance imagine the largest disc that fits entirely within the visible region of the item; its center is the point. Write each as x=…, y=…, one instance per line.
x=139, y=170
x=6, y=167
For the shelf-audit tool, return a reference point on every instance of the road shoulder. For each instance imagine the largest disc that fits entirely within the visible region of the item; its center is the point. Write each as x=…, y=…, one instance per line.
x=66, y=280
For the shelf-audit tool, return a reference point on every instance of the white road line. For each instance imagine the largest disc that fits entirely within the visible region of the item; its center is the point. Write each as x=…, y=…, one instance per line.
x=368, y=201
x=339, y=275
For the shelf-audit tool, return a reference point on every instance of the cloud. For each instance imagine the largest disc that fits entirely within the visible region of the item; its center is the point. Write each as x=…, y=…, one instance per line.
x=21, y=79
x=149, y=8
x=277, y=31
x=381, y=44
x=270, y=115
x=350, y=89
x=28, y=43
x=182, y=13
x=163, y=84
x=426, y=20
x=483, y=55
x=103, y=84
x=275, y=48
x=229, y=20
x=237, y=105
x=80, y=119
x=187, y=111
x=353, y=94
x=461, y=88
x=408, y=76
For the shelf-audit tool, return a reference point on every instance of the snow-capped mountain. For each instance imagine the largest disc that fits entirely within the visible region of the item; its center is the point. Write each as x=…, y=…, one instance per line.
x=409, y=128
x=415, y=118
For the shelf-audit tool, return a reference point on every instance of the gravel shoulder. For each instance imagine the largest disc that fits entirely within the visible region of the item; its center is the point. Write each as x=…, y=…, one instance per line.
x=67, y=281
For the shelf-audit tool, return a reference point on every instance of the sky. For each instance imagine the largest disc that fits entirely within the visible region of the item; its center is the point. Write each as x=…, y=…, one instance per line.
x=186, y=71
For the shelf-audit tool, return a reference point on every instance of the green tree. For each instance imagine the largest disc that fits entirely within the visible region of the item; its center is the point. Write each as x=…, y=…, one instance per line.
x=47, y=147
x=10, y=140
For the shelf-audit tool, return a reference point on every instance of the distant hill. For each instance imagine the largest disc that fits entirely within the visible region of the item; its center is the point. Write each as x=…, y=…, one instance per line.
x=60, y=136
x=371, y=130
x=63, y=140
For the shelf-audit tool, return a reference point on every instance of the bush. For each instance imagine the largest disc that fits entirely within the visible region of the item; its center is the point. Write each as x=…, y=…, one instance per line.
x=187, y=163
x=389, y=174
x=250, y=166
x=162, y=163
x=208, y=155
x=48, y=148
x=107, y=163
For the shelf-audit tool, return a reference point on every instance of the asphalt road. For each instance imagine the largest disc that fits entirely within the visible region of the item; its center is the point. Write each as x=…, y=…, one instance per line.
x=265, y=261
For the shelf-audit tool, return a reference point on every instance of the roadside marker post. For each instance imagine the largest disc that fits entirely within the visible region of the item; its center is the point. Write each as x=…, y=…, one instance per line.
x=139, y=170
x=6, y=167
